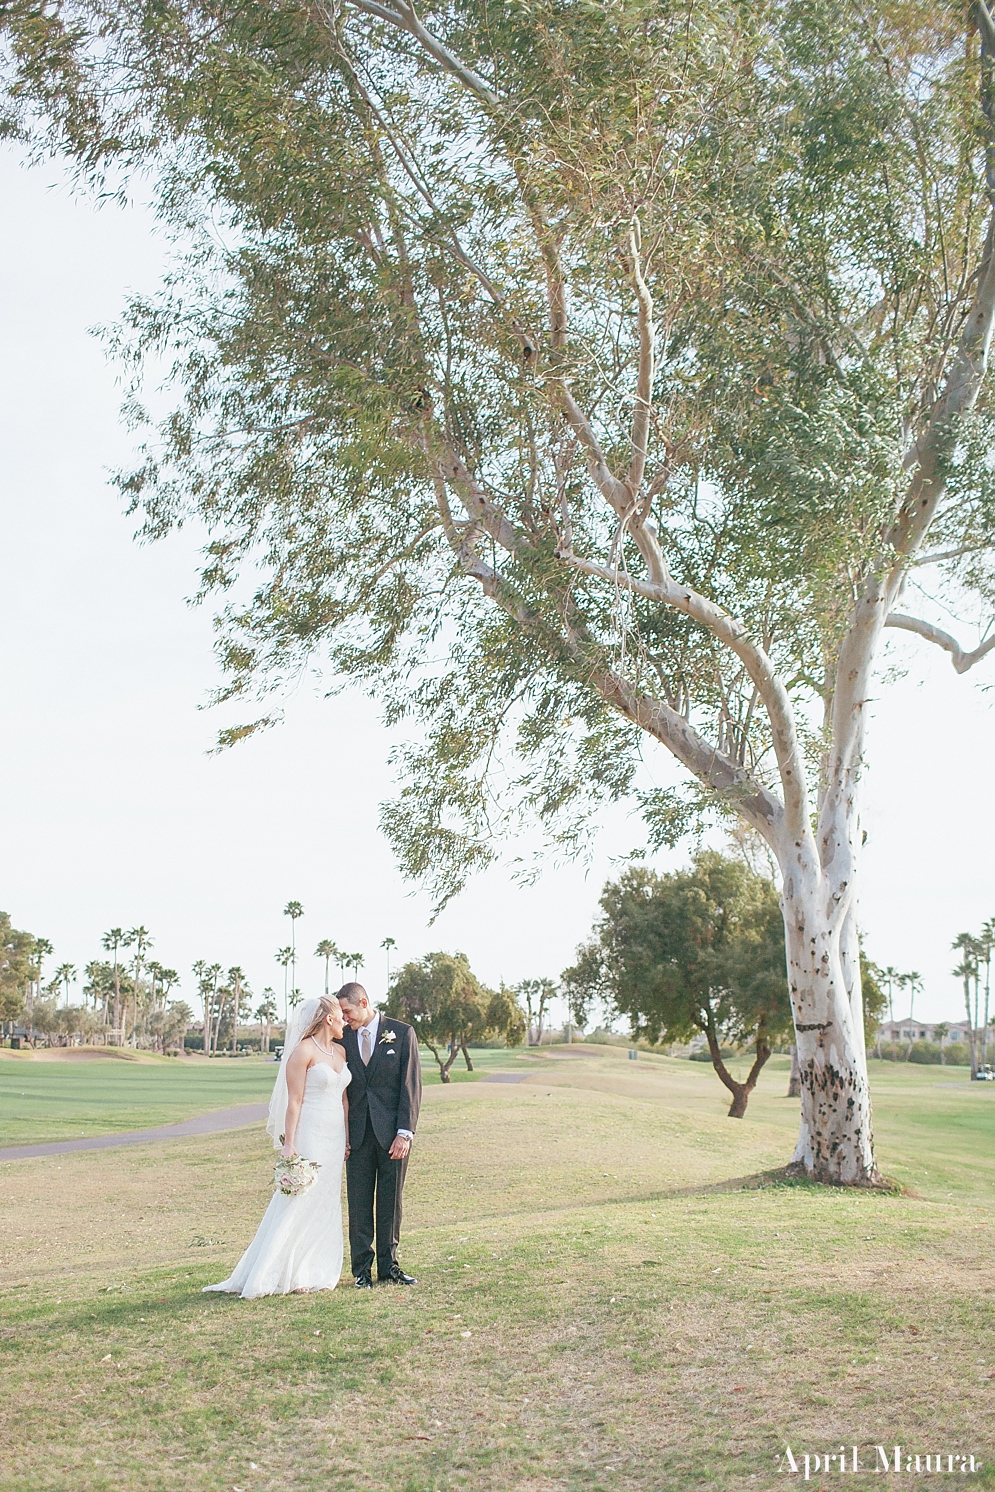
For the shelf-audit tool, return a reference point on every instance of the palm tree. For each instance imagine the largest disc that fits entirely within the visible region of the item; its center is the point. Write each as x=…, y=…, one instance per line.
x=65, y=975
x=356, y=961
x=942, y=1031
x=42, y=948
x=987, y=941
x=167, y=978
x=236, y=978
x=387, y=945
x=890, y=977
x=293, y=910
x=207, y=987
x=112, y=941
x=968, y=970
x=283, y=957
x=913, y=983
x=266, y=1012
x=327, y=950
x=142, y=941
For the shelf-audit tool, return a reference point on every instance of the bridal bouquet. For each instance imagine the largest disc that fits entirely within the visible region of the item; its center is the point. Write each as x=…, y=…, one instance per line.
x=295, y=1175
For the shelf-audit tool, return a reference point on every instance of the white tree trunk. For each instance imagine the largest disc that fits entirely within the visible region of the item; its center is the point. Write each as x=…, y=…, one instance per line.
x=835, y=1141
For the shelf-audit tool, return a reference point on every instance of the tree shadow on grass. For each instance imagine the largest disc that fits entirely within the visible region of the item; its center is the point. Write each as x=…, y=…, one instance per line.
x=788, y=1178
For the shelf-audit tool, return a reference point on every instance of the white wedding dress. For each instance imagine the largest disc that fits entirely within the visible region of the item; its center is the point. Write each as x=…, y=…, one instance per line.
x=298, y=1245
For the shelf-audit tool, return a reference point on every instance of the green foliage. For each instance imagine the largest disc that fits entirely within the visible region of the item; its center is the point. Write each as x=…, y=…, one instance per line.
x=925, y=1052
x=442, y=999
x=875, y=999
x=693, y=951
x=369, y=383
x=18, y=967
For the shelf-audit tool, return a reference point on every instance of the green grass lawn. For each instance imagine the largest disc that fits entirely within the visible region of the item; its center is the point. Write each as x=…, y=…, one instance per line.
x=64, y=1100
x=56, y=1100
x=615, y=1292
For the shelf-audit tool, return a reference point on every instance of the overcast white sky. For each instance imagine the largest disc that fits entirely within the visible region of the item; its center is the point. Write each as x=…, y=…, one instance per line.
x=113, y=813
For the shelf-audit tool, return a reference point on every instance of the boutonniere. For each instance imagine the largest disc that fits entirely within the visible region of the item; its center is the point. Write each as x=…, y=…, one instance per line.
x=387, y=1036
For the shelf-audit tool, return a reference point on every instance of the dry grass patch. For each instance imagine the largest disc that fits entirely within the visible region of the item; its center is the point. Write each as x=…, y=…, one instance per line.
x=585, y=1318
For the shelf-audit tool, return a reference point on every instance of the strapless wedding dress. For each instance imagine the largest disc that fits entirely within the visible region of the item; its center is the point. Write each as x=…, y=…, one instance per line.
x=298, y=1245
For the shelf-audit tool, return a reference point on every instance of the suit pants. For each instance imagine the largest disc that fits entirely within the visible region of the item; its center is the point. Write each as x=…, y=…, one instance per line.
x=374, y=1184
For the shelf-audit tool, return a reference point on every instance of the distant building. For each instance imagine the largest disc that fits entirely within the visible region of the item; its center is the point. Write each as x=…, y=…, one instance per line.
x=893, y=1031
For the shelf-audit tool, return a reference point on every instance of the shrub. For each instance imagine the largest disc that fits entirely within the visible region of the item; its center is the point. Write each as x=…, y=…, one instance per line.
x=925, y=1052
x=957, y=1054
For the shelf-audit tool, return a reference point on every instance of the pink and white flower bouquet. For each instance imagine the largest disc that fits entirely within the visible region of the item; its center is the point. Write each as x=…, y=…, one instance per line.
x=295, y=1175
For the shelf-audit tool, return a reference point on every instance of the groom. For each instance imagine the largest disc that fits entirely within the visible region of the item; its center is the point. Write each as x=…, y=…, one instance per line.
x=384, y=1097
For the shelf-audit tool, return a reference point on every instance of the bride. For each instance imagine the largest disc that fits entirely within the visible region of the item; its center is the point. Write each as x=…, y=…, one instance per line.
x=298, y=1245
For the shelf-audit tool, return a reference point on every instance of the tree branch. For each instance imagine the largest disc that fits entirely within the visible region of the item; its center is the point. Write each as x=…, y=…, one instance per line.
x=961, y=661
x=404, y=17
x=732, y=634
x=713, y=768
x=647, y=362
x=960, y=391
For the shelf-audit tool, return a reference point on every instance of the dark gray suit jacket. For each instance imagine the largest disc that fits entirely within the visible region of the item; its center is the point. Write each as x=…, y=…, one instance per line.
x=388, y=1091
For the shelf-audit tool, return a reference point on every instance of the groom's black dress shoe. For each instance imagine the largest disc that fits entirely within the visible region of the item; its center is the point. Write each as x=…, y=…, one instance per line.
x=396, y=1276
x=364, y=1281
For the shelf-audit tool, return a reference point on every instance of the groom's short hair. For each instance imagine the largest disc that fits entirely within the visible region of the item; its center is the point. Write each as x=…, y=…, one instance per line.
x=352, y=993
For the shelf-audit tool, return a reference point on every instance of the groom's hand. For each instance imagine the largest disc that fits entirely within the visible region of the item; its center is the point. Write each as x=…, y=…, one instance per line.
x=400, y=1147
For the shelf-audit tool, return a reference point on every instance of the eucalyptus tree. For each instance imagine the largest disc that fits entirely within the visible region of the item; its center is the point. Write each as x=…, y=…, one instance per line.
x=581, y=376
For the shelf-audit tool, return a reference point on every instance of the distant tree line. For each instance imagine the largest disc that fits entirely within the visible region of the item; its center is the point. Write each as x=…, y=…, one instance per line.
x=126, y=997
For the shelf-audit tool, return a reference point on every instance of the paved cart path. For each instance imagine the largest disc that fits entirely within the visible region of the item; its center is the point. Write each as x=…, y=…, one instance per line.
x=203, y=1124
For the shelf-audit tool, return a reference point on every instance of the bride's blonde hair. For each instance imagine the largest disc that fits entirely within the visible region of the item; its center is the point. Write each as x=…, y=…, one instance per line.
x=326, y=1005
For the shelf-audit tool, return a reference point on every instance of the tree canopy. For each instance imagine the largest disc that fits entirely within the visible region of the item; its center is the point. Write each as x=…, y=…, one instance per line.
x=695, y=951
x=18, y=967
x=575, y=375
x=449, y=1008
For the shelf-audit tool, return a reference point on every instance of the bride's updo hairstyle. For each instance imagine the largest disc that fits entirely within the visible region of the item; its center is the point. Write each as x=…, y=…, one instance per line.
x=326, y=1005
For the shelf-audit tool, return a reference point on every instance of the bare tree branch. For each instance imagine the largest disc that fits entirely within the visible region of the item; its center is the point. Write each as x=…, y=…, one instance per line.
x=961, y=661
x=949, y=554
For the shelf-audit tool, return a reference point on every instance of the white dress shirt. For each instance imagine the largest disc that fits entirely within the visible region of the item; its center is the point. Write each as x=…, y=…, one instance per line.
x=368, y=1034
